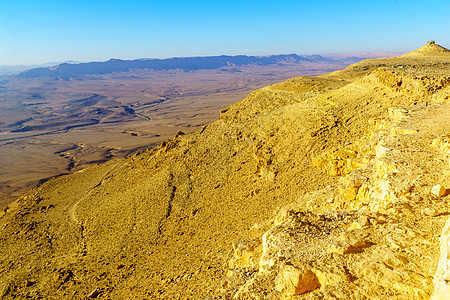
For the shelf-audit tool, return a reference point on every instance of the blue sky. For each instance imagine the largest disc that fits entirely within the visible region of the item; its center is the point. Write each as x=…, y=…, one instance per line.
x=41, y=31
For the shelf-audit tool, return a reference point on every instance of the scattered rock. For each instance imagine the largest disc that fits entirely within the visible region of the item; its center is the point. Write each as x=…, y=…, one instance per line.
x=438, y=190
x=258, y=230
x=93, y=294
x=356, y=247
x=430, y=212
x=63, y=276
x=416, y=198
x=353, y=226
x=292, y=281
x=246, y=254
x=344, y=247
x=29, y=283
x=326, y=278
x=350, y=193
x=363, y=221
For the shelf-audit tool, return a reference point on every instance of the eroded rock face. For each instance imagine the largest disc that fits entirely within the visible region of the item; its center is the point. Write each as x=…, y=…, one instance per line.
x=381, y=241
x=442, y=277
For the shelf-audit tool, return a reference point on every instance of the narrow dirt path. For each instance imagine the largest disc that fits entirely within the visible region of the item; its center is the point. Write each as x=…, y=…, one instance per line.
x=73, y=208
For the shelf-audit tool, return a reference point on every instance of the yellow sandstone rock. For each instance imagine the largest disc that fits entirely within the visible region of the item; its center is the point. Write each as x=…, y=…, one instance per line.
x=339, y=162
x=292, y=281
x=350, y=193
x=353, y=226
x=438, y=190
x=347, y=248
x=326, y=278
x=397, y=131
x=246, y=254
x=442, y=276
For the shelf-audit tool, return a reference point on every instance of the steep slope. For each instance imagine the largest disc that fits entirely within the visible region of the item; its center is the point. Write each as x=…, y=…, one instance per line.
x=347, y=158
x=372, y=235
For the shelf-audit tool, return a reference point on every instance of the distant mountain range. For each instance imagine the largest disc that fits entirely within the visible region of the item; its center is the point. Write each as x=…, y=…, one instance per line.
x=11, y=70
x=68, y=70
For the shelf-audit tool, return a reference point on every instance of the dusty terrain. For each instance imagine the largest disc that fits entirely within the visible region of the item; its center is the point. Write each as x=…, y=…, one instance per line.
x=316, y=187
x=51, y=127
x=56, y=125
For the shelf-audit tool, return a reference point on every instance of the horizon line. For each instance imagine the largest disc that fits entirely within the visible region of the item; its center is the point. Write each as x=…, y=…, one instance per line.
x=70, y=61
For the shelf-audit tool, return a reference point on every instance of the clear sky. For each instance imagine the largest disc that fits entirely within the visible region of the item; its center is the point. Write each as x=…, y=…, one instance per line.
x=38, y=31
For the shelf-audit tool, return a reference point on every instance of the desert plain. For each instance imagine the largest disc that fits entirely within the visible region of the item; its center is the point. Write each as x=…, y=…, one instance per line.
x=57, y=125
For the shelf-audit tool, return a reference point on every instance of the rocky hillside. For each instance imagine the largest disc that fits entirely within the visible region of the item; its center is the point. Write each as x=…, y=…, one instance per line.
x=328, y=187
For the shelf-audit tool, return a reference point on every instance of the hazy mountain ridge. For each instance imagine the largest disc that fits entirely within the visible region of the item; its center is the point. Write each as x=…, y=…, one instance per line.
x=66, y=70
x=8, y=70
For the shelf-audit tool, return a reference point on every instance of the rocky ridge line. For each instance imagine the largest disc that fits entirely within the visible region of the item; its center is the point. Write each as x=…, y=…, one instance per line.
x=372, y=235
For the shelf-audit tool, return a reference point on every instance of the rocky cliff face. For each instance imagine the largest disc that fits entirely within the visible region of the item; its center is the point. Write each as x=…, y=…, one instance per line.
x=323, y=187
x=373, y=234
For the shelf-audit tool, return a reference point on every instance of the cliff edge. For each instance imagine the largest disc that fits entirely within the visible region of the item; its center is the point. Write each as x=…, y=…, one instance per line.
x=333, y=186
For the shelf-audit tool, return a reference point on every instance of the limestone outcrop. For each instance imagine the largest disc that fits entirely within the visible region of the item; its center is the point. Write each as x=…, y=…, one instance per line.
x=372, y=235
